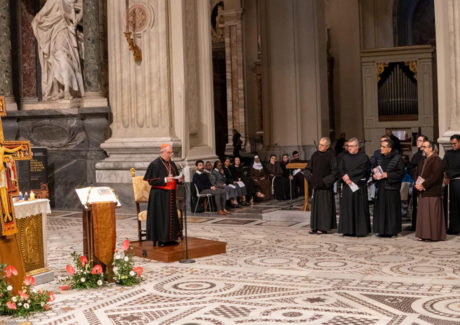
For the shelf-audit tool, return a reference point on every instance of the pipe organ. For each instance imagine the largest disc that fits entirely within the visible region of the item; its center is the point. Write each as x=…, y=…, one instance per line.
x=398, y=87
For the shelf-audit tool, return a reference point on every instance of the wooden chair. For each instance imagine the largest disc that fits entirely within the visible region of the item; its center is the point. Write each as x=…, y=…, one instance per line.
x=141, y=195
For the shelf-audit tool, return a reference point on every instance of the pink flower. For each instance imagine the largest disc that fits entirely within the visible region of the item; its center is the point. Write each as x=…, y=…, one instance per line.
x=125, y=245
x=23, y=294
x=11, y=270
x=11, y=305
x=83, y=260
x=138, y=270
x=97, y=269
x=70, y=269
x=47, y=307
x=51, y=297
x=29, y=280
x=64, y=288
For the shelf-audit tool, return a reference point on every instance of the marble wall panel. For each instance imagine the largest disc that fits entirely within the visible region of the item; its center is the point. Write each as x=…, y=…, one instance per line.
x=28, y=53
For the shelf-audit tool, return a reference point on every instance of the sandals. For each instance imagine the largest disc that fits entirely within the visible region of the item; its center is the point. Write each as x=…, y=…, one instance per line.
x=312, y=232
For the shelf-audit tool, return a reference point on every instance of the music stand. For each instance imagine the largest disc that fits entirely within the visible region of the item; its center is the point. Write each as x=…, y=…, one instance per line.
x=186, y=260
x=298, y=164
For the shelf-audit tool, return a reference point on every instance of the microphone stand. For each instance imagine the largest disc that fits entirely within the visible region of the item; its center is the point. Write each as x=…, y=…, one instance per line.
x=186, y=260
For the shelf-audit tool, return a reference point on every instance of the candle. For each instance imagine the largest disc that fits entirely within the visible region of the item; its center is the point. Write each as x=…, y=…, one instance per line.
x=127, y=15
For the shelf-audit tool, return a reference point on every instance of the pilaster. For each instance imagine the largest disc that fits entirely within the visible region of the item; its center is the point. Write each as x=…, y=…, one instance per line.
x=447, y=18
x=6, y=71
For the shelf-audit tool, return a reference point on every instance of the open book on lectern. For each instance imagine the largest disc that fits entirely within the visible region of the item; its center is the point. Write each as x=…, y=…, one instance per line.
x=90, y=195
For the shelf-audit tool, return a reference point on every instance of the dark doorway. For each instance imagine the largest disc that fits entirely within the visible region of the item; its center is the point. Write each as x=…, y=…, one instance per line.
x=220, y=100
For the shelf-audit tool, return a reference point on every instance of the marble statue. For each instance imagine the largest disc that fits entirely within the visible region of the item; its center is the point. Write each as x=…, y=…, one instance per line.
x=60, y=48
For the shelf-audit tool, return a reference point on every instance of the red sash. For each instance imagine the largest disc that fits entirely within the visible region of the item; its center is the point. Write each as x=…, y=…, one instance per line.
x=169, y=186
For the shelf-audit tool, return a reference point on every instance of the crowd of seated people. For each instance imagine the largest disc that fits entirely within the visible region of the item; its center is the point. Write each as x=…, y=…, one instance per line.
x=245, y=184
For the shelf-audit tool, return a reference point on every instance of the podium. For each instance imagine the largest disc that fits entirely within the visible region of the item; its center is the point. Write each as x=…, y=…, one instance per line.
x=99, y=233
x=31, y=219
x=301, y=165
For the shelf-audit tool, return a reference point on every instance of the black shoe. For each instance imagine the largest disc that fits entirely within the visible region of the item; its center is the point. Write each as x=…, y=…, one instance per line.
x=162, y=244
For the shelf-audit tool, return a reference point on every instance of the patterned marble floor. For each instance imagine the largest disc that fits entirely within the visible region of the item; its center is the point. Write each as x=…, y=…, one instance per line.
x=272, y=273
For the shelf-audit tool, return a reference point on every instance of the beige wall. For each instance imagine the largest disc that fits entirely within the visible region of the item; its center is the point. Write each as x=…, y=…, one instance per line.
x=376, y=23
x=294, y=63
x=342, y=19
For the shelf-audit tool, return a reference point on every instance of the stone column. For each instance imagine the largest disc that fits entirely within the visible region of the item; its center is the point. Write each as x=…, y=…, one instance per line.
x=236, y=112
x=94, y=96
x=6, y=71
x=295, y=102
x=447, y=18
x=167, y=97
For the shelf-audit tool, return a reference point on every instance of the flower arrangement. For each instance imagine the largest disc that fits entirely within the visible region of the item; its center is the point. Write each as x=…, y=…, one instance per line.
x=123, y=267
x=84, y=276
x=28, y=300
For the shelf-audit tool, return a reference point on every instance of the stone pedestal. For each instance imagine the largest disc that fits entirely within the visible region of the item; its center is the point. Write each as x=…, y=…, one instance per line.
x=72, y=137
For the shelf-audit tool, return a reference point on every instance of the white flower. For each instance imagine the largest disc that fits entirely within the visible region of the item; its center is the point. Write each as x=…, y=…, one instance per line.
x=115, y=270
x=117, y=256
x=14, y=299
x=9, y=288
x=132, y=273
x=26, y=305
x=42, y=304
x=99, y=282
x=126, y=258
x=19, y=303
x=82, y=280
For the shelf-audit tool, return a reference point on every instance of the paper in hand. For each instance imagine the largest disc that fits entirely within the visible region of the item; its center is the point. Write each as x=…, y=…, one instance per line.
x=353, y=187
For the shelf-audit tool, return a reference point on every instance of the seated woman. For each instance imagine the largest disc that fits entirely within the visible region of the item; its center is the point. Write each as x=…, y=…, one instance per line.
x=241, y=174
x=230, y=179
x=217, y=178
x=260, y=179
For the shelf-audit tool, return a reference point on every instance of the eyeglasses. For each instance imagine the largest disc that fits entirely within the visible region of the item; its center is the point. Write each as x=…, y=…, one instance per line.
x=423, y=147
x=453, y=143
x=383, y=147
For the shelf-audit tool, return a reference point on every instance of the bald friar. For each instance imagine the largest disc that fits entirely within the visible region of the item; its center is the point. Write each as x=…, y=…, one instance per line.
x=162, y=219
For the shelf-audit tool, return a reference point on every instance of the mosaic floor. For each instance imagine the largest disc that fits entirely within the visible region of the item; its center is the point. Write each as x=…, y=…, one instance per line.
x=273, y=273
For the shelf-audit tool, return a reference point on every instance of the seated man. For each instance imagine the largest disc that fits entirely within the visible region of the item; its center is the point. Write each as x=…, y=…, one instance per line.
x=202, y=182
x=240, y=175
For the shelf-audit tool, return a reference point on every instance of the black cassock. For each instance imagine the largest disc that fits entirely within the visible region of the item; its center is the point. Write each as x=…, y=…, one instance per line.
x=162, y=219
x=354, y=207
x=387, y=209
x=451, y=164
x=322, y=172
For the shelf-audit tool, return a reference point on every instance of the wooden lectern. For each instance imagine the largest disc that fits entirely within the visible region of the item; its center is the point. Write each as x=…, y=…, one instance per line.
x=301, y=165
x=99, y=233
